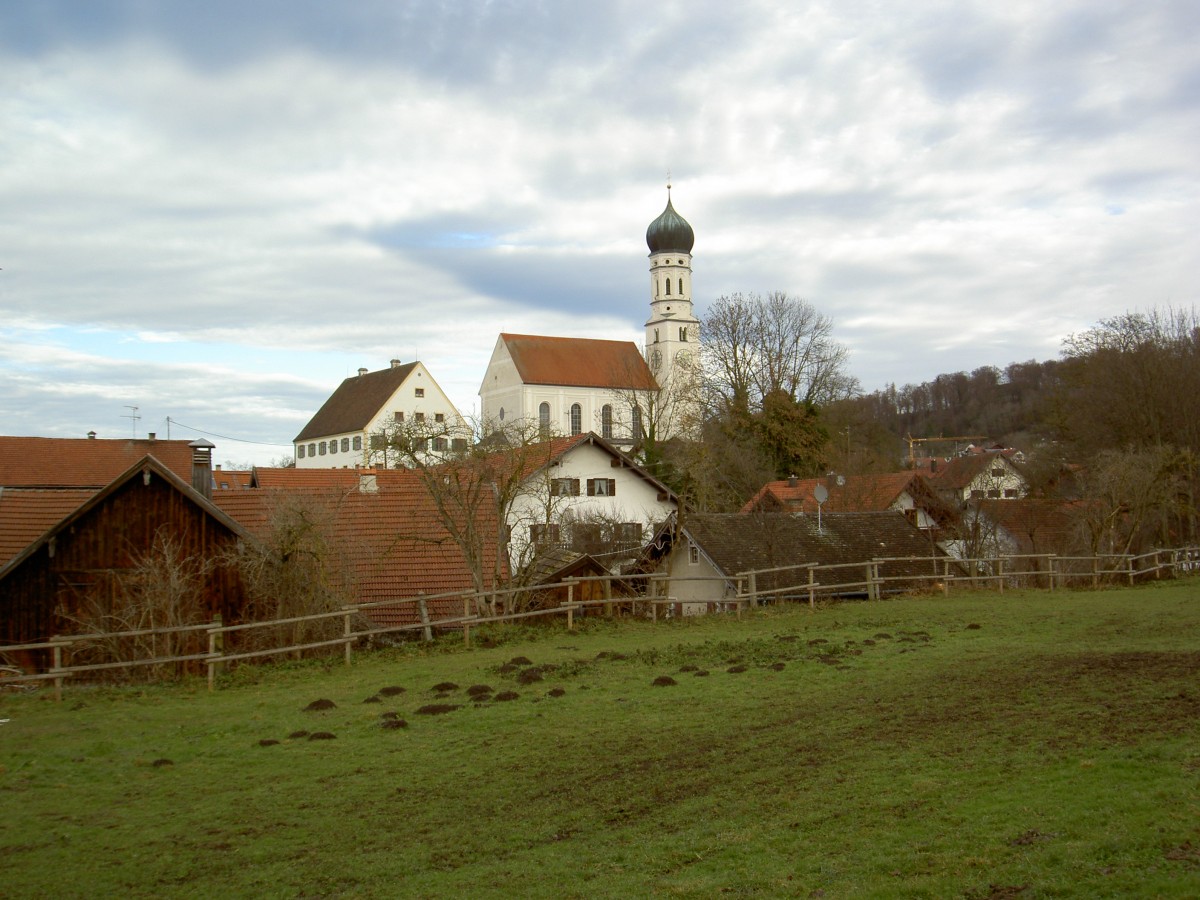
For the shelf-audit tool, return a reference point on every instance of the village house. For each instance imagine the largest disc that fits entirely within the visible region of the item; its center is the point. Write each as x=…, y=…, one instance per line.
x=584, y=494
x=352, y=428
x=907, y=492
x=975, y=477
x=705, y=555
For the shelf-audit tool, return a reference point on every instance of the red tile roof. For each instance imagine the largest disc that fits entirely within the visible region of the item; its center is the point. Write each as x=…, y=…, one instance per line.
x=392, y=539
x=28, y=513
x=859, y=493
x=231, y=479
x=83, y=462
x=579, y=362
x=355, y=402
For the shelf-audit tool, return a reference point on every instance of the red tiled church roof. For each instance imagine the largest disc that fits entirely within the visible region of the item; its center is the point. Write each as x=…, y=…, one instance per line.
x=579, y=362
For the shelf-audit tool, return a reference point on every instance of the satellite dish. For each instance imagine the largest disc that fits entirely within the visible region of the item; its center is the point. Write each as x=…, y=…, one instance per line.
x=821, y=493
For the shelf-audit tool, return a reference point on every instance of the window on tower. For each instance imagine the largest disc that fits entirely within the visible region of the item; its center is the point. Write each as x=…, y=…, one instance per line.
x=683, y=334
x=668, y=287
x=680, y=287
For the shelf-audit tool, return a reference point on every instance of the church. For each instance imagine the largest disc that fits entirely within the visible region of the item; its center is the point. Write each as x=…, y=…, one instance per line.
x=573, y=385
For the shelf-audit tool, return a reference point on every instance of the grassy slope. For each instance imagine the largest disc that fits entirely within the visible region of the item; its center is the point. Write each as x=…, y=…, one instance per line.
x=1053, y=748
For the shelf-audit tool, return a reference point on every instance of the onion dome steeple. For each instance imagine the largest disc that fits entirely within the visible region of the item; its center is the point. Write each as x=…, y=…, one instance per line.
x=670, y=232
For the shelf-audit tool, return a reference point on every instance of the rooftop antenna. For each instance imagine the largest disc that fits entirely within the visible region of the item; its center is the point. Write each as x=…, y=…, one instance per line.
x=133, y=418
x=820, y=494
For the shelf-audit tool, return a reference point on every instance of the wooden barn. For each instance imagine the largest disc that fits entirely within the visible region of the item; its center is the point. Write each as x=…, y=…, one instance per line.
x=87, y=548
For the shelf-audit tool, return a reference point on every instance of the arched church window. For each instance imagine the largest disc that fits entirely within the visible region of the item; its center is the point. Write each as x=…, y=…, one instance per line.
x=606, y=421
x=576, y=418
x=683, y=334
x=544, y=417
x=638, y=434
x=680, y=287
x=668, y=286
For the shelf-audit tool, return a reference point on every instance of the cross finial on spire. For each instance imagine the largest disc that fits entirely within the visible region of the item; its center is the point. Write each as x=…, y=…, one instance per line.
x=668, y=181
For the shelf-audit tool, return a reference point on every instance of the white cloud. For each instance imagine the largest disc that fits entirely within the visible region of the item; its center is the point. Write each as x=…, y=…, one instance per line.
x=230, y=221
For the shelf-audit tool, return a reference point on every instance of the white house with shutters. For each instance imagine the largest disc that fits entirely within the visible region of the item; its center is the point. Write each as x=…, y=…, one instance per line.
x=590, y=497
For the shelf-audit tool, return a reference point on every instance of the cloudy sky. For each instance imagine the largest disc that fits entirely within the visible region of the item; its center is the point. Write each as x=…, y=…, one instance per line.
x=216, y=211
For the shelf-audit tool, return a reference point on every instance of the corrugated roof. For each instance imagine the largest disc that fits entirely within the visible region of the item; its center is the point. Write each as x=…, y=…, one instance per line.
x=355, y=402
x=83, y=462
x=579, y=362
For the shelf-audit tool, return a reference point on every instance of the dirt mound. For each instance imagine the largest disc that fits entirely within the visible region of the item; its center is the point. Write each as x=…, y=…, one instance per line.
x=479, y=690
x=664, y=681
x=529, y=676
x=555, y=692
x=445, y=686
x=296, y=735
x=322, y=736
x=391, y=690
x=437, y=709
x=318, y=705
x=159, y=763
x=268, y=742
x=735, y=670
x=374, y=699
x=520, y=661
x=505, y=696
x=393, y=723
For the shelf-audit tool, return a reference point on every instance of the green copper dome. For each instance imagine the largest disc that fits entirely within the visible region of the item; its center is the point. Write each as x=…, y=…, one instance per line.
x=670, y=232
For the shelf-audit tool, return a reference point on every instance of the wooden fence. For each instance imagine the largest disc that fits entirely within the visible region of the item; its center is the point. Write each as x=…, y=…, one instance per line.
x=645, y=594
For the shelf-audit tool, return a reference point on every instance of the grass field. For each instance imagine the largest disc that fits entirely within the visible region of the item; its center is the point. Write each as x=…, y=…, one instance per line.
x=1023, y=744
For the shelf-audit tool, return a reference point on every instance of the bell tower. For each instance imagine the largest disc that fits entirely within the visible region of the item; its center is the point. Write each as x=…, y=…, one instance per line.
x=672, y=331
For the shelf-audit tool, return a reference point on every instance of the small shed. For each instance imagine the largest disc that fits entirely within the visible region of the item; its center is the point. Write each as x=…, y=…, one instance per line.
x=90, y=549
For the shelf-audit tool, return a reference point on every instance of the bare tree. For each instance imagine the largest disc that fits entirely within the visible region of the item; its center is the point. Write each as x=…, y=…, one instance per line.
x=756, y=346
x=474, y=486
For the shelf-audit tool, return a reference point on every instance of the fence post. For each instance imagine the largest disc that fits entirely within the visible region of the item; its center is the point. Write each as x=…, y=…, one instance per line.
x=812, y=591
x=606, y=586
x=346, y=631
x=212, y=663
x=58, y=679
x=423, y=612
x=753, y=581
x=1000, y=572
x=1095, y=571
x=570, y=606
x=1131, y=572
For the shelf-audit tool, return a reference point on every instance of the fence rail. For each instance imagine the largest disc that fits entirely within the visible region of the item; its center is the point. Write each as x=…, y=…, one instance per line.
x=738, y=592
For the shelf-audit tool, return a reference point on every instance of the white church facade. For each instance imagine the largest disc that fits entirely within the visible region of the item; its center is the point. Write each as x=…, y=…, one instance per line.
x=571, y=386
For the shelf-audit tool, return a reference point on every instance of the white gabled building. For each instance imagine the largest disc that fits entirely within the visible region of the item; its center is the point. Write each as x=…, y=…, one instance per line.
x=350, y=428
x=567, y=386
x=571, y=386
x=589, y=497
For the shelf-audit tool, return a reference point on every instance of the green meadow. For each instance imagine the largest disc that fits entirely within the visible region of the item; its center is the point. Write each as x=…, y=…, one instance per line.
x=1025, y=744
